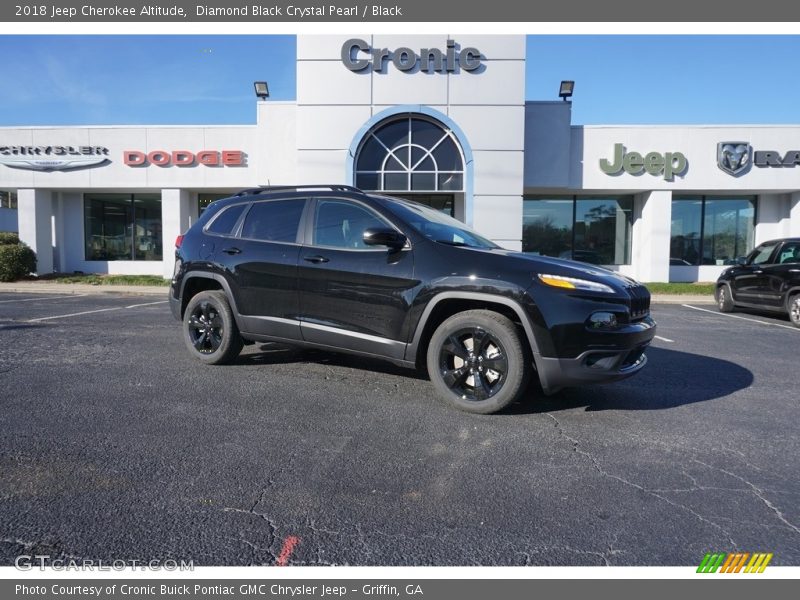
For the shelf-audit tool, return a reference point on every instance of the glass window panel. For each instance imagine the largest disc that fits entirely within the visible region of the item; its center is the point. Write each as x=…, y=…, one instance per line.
x=789, y=253
x=684, y=245
x=451, y=182
x=367, y=181
x=423, y=182
x=203, y=200
x=602, y=231
x=416, y=156
x=108, y=226
x=8, y=199
x=224, y=222
x=395, y=181
x=425, y=133
x=393, y=134
x=547, y=226
x=447, y=156
x=370, y=157
x=392, y=164
x=728, y=229
x=147, y=227
x=275, y=221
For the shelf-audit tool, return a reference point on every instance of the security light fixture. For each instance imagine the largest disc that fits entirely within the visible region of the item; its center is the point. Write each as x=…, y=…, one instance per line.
x=565, y=91
x=262, y=90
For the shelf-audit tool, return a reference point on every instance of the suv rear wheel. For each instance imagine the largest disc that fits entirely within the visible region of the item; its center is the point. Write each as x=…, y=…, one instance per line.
x=794, y=310
x=724, y=299
x=209, y=329
x=477, y=362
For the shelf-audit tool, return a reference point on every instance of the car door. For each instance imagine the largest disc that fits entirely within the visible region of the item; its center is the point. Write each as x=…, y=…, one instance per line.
x=261, y=262
x=782, y=274
x=353, y=295
x=750, y=279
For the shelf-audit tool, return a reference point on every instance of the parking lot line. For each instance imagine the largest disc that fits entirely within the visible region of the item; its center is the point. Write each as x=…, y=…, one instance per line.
x=714, y=312
x=41, y=299
x=99, y=310
x=663, y=339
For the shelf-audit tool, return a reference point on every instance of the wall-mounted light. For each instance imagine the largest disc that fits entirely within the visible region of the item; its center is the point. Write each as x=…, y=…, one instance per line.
x=566, y=89
x=262, y=89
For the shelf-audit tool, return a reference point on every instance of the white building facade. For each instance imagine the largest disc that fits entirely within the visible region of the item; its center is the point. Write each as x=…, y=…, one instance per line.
x=441, y=119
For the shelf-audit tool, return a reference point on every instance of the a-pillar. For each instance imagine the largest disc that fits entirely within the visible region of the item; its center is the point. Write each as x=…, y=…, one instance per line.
x=175, y=220
x=651, y=235
x=35, y=208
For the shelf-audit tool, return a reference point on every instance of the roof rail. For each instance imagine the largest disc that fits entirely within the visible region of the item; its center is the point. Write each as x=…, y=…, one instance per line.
x=269, y=189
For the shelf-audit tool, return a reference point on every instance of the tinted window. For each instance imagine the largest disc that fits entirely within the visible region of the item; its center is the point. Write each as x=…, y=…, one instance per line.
x=226, y=220
x=275, y=221
x=342, y=224
x=790, y=253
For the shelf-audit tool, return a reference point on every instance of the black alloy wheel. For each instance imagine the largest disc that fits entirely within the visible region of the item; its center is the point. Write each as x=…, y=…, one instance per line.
x=477, y=361
x=794, y=310
x=210, y=330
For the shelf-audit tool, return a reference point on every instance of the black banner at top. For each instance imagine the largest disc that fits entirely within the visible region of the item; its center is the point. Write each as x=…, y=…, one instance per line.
x=299, y=11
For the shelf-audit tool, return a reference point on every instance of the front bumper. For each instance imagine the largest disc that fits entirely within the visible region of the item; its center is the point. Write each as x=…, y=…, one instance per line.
x=610, y=356
x=592, y=366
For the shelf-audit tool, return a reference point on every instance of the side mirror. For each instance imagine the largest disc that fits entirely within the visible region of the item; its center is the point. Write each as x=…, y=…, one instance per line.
x=384, y=236
x=741, y=260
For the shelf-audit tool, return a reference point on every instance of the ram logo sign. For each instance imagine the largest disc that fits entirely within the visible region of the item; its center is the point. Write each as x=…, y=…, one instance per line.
x=734, y=158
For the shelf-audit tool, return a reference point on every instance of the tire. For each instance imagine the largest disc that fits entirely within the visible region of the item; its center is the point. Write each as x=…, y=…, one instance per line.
x=461, y=373
x=794, y=310
x=209, y=329
x=724, y=299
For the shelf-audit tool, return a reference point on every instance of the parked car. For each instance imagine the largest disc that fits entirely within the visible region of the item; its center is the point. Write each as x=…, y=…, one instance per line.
x=335, y=268
x=768, y=279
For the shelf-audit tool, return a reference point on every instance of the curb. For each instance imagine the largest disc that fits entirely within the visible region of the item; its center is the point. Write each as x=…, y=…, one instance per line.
x=82, y=288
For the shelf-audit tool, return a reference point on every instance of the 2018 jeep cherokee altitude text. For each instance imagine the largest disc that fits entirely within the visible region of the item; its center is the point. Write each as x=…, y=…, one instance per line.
x=335, y=268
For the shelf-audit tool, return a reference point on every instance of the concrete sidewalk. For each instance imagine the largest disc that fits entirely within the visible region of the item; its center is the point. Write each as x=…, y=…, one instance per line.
x=42, y=287
x=38, y=287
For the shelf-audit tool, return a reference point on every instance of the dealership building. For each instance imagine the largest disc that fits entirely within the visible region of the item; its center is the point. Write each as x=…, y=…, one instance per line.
x=441, y=119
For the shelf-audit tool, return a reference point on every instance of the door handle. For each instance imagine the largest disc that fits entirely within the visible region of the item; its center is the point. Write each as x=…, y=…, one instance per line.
x=316, y=259
x=232, y=251
x=758, y=272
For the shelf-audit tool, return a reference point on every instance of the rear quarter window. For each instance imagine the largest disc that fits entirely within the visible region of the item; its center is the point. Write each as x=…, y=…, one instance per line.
x=226, y=220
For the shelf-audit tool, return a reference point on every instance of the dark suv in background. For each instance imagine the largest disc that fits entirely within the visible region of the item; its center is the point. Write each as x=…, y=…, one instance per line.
x=335, y=268
x=768, y=279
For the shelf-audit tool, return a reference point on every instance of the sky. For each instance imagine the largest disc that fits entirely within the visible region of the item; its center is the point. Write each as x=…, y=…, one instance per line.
x=202, y=79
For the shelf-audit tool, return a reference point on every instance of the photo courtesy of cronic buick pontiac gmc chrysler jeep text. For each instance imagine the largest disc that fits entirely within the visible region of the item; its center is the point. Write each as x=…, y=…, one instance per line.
x=336, y=268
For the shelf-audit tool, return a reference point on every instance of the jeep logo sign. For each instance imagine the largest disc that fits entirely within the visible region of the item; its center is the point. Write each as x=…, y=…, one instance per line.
x=358, y=55
x=668, y=164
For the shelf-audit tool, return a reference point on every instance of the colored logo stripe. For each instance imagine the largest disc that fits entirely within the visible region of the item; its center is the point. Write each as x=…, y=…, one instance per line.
x=733, y=562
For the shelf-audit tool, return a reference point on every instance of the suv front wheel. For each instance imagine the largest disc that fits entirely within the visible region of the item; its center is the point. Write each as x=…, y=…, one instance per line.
x=477, y=362
x=209, y=329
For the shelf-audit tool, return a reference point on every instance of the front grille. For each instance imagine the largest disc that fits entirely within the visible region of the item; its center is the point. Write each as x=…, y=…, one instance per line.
x=639, y=302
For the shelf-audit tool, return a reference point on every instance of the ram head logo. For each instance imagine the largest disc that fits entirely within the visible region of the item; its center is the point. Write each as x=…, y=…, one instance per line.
x=734, y=158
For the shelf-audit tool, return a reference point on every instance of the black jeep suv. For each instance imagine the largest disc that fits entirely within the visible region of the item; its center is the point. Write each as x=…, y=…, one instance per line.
x=335, y=268
x=767, y=279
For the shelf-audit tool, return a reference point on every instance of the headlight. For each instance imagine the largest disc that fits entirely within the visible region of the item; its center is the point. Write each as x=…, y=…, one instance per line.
x=571, y=283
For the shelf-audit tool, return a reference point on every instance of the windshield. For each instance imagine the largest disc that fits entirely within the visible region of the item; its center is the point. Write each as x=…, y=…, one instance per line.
x=439, y=227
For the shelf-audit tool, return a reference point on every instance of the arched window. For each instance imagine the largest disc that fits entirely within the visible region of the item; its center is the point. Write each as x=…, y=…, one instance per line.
x=410, y=153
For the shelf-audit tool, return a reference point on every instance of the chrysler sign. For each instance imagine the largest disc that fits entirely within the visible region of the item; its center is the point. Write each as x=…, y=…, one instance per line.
x=53, y=158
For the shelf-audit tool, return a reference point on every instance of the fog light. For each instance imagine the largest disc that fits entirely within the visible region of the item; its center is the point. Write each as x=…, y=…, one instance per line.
x=603, y=320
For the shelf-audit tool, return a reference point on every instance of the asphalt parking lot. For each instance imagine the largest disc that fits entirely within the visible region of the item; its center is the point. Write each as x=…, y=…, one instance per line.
x=115, y=443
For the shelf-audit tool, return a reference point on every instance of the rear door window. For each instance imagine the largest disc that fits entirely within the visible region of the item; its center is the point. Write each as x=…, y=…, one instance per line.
x=273, y=221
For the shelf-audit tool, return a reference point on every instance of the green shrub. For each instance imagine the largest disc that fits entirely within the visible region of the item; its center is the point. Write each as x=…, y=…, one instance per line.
x=16, y=260
x=8, y=238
